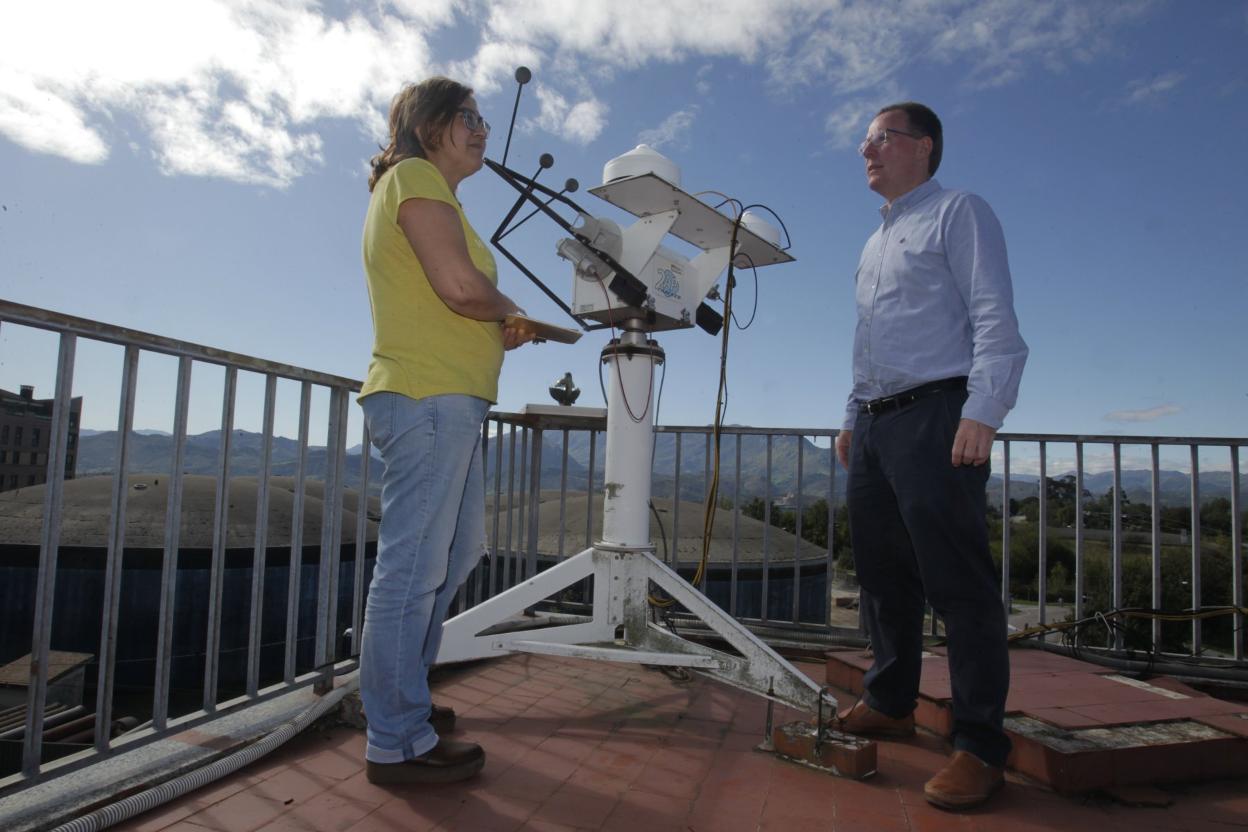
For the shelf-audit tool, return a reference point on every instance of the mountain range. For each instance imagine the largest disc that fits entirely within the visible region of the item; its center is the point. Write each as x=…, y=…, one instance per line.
x=152, y=452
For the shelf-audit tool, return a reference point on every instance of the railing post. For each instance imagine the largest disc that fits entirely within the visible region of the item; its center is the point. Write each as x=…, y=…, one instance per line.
x=830, y=571
x=736, y=525
x=766, y=533
x=535, y=500
x=1079, y=546
x=1042, y=538
x=1197, y=646
x=331, y=544
x=220, y=530
x=116, y=552
x=1155, y=548
x=49, y=545
x=1116, y=570
x=1005, y=526
x=169, y=563
x=1237, y=556
x=676, y=506
x=797, y=535
x=258, y=564
x=294, y=574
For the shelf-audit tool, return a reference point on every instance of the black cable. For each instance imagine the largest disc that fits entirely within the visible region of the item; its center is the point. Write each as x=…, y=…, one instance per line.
x=754, y=311
x=1073, y=633
x=662, y=531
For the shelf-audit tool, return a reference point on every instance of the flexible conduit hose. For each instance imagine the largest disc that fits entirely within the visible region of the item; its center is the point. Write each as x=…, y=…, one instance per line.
x=159, y=795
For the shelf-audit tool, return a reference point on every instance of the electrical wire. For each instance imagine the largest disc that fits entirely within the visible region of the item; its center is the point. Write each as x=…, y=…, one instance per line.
x=754, y=311
x=1075, y=633
x=727, y=200
x=721, y=403
x=623, y=393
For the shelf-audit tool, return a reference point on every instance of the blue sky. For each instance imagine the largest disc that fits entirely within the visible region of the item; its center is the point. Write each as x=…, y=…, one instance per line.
x=198, y=170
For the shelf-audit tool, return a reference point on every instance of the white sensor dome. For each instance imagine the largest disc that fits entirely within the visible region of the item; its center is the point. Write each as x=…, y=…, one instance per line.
x=639, y=161
x=758, y=225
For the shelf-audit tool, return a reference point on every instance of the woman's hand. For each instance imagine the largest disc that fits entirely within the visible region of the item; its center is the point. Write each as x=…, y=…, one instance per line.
x=514, y=336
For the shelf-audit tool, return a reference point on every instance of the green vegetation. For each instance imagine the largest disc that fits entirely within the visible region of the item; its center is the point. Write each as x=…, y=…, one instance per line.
x=814, y=525
x=1174, y=554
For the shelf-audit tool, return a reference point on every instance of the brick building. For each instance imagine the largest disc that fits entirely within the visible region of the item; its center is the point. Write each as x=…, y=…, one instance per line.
x=26, y=435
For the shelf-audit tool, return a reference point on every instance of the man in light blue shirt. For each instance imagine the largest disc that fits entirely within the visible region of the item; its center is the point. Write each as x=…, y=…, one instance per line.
x=937, y=363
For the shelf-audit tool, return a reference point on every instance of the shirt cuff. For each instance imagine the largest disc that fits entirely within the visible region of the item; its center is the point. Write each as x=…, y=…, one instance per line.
x=851, y=416
x=985, y=410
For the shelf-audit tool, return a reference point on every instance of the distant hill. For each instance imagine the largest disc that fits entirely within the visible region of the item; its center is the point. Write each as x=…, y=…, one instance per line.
x=152, y=452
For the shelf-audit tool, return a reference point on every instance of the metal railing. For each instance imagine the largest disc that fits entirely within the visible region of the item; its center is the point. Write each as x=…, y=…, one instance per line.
x=773, y=560
x=69, y=331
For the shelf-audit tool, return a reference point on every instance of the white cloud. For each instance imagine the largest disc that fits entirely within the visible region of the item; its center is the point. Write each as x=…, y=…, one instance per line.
x=702, y=82
x=1146, y=90
x=235, y=88
x=847, y=122
x=1150, y=414
x=224, y=88
x=580, y=122
x=39, y=119
x=674, y=130
x=1003, y=39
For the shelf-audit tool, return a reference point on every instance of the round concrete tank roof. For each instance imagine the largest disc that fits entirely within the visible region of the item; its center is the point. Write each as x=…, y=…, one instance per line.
x=87, y=501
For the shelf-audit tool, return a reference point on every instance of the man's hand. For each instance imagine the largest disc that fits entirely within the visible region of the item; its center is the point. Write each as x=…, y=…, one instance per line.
x=971, y=444
x=843, y=438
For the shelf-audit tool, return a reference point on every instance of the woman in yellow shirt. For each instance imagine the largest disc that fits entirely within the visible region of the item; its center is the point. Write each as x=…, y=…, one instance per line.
x=437, y=351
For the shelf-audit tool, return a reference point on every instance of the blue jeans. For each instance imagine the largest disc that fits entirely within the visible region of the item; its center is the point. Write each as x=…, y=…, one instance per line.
x=432, y=535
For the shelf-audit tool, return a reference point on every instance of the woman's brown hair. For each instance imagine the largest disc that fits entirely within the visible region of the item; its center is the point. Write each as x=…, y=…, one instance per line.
x=423, y=109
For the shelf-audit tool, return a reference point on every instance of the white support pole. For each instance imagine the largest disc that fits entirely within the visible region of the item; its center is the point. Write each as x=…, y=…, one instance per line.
x=630, y=435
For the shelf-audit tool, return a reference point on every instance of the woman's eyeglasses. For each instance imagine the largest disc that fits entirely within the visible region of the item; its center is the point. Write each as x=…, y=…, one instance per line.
x=473, y=121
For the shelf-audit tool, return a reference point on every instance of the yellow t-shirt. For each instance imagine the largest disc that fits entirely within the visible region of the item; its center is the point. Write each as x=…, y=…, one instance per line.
x=420, y=347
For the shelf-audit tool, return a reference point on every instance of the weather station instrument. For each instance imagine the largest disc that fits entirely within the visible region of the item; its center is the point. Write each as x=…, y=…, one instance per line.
x=624, y=278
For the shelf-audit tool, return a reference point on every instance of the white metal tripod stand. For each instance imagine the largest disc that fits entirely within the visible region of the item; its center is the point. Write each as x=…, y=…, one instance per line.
x=623, y=567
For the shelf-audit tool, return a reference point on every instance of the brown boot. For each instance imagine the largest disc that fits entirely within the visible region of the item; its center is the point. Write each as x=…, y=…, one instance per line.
x=965, y=782
x=448, y=762
x=866, y=721
x=442, y=718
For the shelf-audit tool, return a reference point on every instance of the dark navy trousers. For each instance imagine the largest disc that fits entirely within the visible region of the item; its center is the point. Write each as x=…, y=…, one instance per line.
x=919, y=531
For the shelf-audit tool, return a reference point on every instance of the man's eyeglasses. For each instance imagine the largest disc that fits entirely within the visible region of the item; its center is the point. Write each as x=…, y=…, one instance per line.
x=473, y=121
x=881, y=138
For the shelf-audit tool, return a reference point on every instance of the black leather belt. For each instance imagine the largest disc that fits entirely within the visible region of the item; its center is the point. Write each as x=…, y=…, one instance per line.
x=907, y=397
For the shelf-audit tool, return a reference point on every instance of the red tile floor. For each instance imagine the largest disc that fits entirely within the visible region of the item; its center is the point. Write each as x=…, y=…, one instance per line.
x=578, y=745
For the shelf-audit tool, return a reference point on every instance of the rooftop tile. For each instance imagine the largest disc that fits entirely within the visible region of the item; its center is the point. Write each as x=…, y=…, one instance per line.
x=638, y=750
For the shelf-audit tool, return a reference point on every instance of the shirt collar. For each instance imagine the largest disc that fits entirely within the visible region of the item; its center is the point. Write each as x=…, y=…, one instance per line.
x=910, y=198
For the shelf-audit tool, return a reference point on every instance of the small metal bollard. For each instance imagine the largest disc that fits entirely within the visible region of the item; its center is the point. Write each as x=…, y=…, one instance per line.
x=768, y=744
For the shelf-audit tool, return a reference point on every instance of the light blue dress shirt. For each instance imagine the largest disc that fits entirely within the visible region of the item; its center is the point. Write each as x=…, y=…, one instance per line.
x=935, y=301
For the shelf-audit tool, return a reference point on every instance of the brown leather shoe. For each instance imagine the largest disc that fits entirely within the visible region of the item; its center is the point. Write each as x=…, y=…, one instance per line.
x=965, y=782
x=442, y=718
x=866, y=721
x=448, y=762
